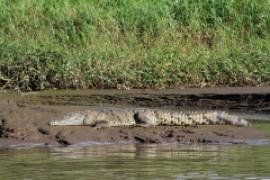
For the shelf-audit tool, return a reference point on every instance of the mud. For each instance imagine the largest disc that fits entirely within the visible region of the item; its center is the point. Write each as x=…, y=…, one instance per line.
x=248, y=98
x=25, y=119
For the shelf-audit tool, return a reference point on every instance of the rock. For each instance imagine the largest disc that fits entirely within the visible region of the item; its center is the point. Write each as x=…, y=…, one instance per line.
x=6, y=132
x=169, y=134
x=139, y=139
x=146, y=140
x=188, y=131
x=61, y=139
x=219, y=133
x=43, y=131
x=205, y=141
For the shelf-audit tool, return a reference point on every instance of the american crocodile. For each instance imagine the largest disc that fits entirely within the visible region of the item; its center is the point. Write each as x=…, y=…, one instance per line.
x=113, y=117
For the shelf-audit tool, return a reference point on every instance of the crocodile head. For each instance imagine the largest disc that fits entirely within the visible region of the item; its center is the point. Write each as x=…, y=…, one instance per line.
x=71, y=119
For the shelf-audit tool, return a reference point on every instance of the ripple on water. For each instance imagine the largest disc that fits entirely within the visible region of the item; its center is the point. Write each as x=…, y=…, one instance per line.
x=133, y=161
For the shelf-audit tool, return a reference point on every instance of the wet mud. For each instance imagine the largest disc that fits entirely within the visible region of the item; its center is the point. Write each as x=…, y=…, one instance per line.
x=24, y=118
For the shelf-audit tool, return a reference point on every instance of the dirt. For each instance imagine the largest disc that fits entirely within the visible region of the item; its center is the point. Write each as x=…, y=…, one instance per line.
x=237, y=98
x=24, y=122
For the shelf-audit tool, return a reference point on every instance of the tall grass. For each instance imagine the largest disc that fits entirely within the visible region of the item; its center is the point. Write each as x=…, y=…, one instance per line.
x=137, y=44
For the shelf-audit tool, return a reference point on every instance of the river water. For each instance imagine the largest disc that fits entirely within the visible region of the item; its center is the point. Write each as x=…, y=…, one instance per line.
x=128, y=161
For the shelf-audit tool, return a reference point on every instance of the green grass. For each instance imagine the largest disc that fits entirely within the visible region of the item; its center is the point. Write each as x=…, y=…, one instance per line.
x=138, y=44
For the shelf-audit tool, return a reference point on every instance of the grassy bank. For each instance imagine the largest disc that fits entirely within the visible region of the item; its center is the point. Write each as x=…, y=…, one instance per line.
x=136, y=44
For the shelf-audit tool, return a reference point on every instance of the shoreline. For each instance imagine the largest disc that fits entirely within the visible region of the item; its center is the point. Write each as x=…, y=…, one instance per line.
x=24, y=118
x=21, y=145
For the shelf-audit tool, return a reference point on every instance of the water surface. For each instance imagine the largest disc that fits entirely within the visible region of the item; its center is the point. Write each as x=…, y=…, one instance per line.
x=137, y=162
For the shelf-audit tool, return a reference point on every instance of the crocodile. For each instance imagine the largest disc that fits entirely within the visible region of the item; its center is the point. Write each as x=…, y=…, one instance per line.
x=115, y=117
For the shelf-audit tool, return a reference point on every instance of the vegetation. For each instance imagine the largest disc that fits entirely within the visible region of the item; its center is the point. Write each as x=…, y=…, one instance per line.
x=137, y=44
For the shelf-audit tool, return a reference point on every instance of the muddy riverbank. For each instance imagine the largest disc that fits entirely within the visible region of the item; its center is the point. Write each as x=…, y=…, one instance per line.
x=239, y=98
x=24, y=118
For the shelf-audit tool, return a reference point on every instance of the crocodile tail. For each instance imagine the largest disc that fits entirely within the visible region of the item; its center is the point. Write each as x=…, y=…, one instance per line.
x=229, y=118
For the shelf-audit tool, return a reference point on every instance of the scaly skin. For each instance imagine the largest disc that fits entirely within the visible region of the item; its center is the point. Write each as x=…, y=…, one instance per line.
x=114, y=117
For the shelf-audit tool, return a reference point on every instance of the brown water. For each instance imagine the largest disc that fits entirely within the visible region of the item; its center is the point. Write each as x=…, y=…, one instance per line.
x=137, y=162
